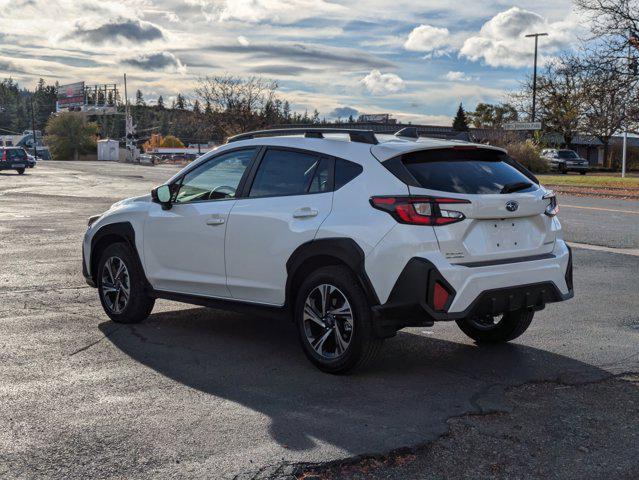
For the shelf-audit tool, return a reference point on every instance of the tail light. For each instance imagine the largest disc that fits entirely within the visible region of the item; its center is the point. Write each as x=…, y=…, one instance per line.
x=552, y=208
x=4, y=155
x=420, y=210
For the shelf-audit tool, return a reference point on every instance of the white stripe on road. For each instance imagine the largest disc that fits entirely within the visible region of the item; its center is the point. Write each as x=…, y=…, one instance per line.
x=563, y=205
x=625, y=251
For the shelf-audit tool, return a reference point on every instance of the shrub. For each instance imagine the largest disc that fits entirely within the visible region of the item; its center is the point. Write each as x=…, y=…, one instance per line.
x=527, y=154
x=171, y=141
x=70, y=134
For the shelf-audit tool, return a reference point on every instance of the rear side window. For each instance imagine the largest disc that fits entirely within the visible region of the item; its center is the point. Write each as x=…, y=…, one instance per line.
x=473, y=171
x=16, y=154
x=345, y=171
x=286, y=172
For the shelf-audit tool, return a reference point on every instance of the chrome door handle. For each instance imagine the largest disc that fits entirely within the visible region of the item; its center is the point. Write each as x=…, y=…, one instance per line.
x=305, y=212
x=215, y=221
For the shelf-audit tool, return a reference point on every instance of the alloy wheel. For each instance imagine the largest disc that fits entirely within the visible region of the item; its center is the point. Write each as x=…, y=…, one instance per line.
x=116, y=284
x=328, y=321
x=486, y=322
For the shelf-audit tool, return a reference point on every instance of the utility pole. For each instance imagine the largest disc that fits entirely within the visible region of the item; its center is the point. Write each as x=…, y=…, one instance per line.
x=534, y=99
x=33, y=131
x=128, y=125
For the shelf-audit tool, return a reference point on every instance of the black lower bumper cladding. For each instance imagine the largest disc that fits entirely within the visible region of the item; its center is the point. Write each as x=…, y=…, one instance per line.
x=410, y=302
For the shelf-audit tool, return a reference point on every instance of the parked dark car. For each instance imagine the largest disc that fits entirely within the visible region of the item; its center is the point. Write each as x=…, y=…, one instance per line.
x=14, y=158
x=565, y=161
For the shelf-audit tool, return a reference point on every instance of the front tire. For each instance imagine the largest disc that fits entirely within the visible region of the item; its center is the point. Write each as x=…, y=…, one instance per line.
x=122, y=286
x=20, y=171
x=334, y=321
x=490, y=329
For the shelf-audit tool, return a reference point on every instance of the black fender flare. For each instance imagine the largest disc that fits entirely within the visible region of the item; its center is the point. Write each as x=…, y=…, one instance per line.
x=345, y=250
x=121, y=230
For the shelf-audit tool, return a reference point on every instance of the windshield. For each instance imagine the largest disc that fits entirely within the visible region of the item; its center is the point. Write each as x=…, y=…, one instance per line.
x=567, y=154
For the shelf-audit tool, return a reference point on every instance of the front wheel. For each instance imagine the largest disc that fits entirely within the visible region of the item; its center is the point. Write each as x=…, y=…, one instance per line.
x=334, y=321
x=20, y=171
x=122, y=286
x=582, y=173
x=496, y=329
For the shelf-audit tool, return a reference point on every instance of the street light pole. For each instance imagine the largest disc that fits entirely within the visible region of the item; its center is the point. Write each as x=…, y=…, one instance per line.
x=534, y=99
x=33, y=131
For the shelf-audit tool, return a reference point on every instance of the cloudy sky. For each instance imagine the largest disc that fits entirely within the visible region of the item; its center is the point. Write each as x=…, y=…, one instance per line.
x=416, y=59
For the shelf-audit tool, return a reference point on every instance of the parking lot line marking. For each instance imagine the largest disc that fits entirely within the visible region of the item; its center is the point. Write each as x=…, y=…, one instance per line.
x=624, y=251
x=599, y=208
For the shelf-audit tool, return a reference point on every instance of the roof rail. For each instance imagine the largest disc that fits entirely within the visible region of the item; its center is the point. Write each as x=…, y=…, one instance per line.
x=407, y=132
x=361, y=136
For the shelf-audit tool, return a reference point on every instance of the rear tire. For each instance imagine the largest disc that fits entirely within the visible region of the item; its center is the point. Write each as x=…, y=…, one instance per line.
x=582, y=173
x=20, y=171
x=511, y=326
x=122, y=285
x=318, y=326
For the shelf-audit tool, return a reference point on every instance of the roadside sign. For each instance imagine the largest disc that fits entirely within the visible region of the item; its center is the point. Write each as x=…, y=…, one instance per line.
x=522, y=126
x=70, y=96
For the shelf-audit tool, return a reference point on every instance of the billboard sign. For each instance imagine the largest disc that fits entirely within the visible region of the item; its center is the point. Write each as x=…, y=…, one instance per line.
x=70, y=97
x=374, y=117
x=522, y=126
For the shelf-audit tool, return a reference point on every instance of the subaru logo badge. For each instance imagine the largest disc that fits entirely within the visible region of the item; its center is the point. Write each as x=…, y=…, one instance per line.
x=512, y=206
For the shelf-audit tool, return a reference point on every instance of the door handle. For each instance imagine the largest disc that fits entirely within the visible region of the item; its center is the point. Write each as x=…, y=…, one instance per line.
x=213, y=221
x=305, y=212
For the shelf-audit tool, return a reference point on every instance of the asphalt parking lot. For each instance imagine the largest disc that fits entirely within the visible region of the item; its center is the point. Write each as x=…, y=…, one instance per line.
x=198, y=393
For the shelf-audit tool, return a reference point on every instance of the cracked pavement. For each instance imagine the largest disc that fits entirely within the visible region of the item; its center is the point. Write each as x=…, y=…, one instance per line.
x=199, y=393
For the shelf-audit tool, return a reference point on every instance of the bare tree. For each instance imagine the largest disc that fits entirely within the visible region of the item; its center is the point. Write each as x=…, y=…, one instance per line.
x=615, y=23
x=237, y=102
x=560, y=97
x=608, y=108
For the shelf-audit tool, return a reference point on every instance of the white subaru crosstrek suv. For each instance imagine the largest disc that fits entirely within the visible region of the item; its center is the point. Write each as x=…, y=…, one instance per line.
x=351, y=235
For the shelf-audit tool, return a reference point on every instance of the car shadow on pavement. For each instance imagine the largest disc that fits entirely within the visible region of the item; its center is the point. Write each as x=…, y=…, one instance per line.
x=406, y=396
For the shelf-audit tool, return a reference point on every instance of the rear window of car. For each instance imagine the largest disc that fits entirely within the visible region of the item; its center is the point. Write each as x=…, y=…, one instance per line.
x=472, y=171
x=567, y=154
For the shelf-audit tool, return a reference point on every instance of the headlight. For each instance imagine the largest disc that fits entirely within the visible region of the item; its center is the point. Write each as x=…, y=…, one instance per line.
x=93, y=219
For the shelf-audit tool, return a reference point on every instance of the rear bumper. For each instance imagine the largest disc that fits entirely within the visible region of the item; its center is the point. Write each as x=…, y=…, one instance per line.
x=474, y=290
x=13, y=165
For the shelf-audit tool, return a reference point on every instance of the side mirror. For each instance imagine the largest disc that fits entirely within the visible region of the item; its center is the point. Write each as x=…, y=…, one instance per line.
x=162, y=195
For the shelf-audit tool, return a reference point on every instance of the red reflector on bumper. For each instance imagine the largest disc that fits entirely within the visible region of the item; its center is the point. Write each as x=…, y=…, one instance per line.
x=440, y=297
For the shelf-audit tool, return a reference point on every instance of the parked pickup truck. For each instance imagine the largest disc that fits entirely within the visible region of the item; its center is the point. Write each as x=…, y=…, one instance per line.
x=13, y=158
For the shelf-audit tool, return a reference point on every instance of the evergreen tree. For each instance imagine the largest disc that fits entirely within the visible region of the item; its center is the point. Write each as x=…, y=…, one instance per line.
x=207, y=108
x=196, y=107
x=139, y=99
x=180, y=103
x=460, y=124
x=160, y=104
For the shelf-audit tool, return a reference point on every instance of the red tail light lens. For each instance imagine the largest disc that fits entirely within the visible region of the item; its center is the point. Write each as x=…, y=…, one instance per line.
x=4, y=155
x=420, y=210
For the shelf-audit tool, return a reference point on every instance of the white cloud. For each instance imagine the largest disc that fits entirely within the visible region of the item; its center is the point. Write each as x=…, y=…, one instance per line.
x=429, y=39
x=172, y=17
x=456, y=76
x=379, y=83
x=273, y=11
x=243, y=41
x=501, y=41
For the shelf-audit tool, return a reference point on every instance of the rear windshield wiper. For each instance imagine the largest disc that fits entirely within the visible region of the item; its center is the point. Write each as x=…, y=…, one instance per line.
x=515, y=187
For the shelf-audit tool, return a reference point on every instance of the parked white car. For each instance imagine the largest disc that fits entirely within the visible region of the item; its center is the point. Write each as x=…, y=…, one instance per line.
x=352, y=235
